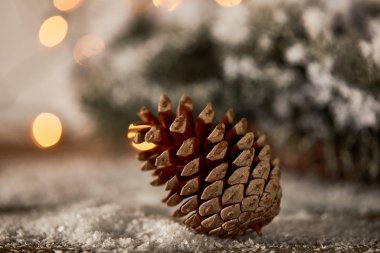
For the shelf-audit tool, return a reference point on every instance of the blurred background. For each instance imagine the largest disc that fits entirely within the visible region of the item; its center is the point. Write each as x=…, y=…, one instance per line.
x=306, y=73
x=73, y=74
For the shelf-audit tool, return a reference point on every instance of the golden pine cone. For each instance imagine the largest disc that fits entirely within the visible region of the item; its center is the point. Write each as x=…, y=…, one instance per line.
x=223, y=176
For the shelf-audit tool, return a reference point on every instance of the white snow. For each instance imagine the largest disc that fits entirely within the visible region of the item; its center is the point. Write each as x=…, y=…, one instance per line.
x=354, y=106
x=315, y=20
x=92, y=202
x=295, y=54
x=232, y=19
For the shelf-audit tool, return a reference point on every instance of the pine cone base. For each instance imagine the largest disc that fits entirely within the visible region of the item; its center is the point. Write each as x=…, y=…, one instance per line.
x=222, y=177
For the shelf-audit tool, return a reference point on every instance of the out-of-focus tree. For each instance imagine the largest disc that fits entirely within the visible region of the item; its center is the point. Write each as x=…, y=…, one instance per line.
x=306, y=73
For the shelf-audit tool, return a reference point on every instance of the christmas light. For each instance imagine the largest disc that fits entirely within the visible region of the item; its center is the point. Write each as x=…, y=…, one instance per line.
x=228, y=3
x=67, y=5
x=169, y=5
x=52, y=31
x=87, y=47
x=46, y=130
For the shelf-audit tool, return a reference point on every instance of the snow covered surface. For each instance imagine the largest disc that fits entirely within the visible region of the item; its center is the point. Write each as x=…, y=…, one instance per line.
x=99, y=203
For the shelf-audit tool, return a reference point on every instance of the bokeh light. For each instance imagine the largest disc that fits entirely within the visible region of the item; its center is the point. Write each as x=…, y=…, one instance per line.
x=228, y=3
x=132, y=129
x=87, y=47
x=143, y=146
x=67, y=5
x=46, y=130
x=52, y=31
x=169, y=5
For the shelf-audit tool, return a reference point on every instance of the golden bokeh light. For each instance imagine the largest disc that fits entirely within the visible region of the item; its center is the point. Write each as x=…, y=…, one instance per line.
x=228, y=3
x=169, y=5
x=87, y=47
x=67, y=5
x=132, y=129
x=52, y=31
x=46, y=130
x=143, y=146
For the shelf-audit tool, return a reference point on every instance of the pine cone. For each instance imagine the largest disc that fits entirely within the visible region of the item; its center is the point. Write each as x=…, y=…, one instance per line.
x=222, y=176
